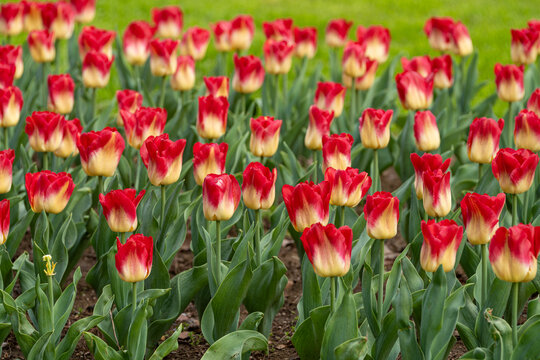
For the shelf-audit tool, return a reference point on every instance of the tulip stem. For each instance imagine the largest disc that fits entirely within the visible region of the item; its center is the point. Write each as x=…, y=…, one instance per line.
x=515, y=293
x=381, y=285
x=510, y=125
x=134, y=295
x=218, y=254
x=45, y=160
x=333, y=294
x=480, y=170
x=162, y=218
x=353, y=102
x=243, y=103
x=316, y=162
x=44, y=86
x=257, y=245
x=285, y=88
x=6, y=142
x=138, y=174
x=514, y=210
x=51, y=295
x=483, y=298
x=162, y=93
x=93, y=104
x=341, y=221
x=276, y=96
x=375, y=171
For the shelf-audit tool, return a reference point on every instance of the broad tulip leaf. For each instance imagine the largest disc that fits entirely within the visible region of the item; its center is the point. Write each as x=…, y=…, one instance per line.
x=353, y=349
x=233, y=345
x=136, y=340
x=99, y=348
x=407, y=342
x=168, y=346
x=432, y=309
x=307, y=338
x=67, y=346
x=341, y=326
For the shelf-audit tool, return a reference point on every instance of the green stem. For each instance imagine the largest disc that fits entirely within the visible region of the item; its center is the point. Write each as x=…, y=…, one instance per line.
x=375, y=171
x=243, y=103
x=316, y=162
x=381, y=285
x=353, y=101
x=162, y=93
x=138, y=175
x=285, y=91
x=162, y=218
x=257, y=245
x=6, y=140
x=510, y=126
x=276, y=96
x=134, y=296
x=341, y=221
x=51, y=295
x=122, y=237
x=514, y=210
x=93, y=104
x=138, y=74
x=333, y=294
x=45, y=161
x=515, y=293
x=480, y=171
x=218, y=254
x=483, y=298
x=44, y=87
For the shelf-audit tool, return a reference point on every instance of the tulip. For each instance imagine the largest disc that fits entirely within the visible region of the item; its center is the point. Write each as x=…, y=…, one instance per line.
x=221, y=196
x=141, y=124
x=441, y=242
x=419, y=64
x=133, y=260
x=68, y=145
x=514, y=169
x=212, y=119
x=375, y=128
x=509, y=81
x=85, y=10
x=328, y=249
x=348, y=186
x=319, y=126
x=217, y=85
x=41, y=45
x=98, y=40
x=208, y=159
x=96, y=70
x=439, y=33
x=32, y=15
x=527, y=131
x=45, y=130
x=377, y=41
x=483, y=141
x=461, y=40
x=183, y=78
x=535, y=25
x=162, y=59
x=100, y=151
x=10, y=54
x=163, y=159
x=241, y=34
x=278, y=56
x=128, y=100
x=248, y=74
x=59, y=17
x=195, y=42
x=426, y=132
x=168, y=21
x=382, y=215
x=264, y=139
x=11, y=19
x=415, y=92
x=48, y=191
x=278, y=30
x=307, y=203
x=258, y=186
x=6, y=170
x=337, y=151
x=305, y=40
x=7, y=74
x=534, y=102
x=481, y=216
x=330, y=96
x=4, y=222
x=354, y=60
x=11, y=103
x=442, y=72
x=365, y=81
x=222, y=30
x=437, y=196
x=336, y=32
x=61, y=90
x=136, y=42
x=513, y=252
x=426, y=162
x=524, y=45
x=120, y=209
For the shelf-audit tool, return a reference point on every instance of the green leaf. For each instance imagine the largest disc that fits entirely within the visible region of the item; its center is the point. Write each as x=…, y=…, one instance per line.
x=252, y=321
x=502, y=333
x=385, y=342
x=528, y=346
x=67, y=346
x=311, y=292
x=368, y=298
x=233, y=345
x=432, y=309
x=353, y=349
x=99, y=348
x=39, y=348
x=64, y=305
x=407, y=342
x=307, y=338
x=168, y=346
x=341, y=326
x=136, y=341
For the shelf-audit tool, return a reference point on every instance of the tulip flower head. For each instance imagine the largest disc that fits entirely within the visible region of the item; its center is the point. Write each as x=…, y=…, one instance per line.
x=208, y=159
x=212, y=119
x=7, y=74
x=442, y=72
x=6, y=170
x=183, y=78
x=264, y=139
x=419, y=64
x=318, y=127
x=337, y=151
x=461, y=40
x=248, y=74
x=48, y=191
x=307, y=203
x=330, y=96
x=59, y=17
x=217, y=85
x=509, y=81
x=11, y=103
x=365, y=81
x=524, y=47
x=278, y=30
x=195, y=42
x=45, y=130
x=120, y=209
x=41, y=45
x=278, y=56
x=382, y=215
x=162, y=57
x=441, y=242
x=11, y=19
x=85, y=10
x=141, y=124
x=534, y=102
x=163, y=159
x=415, y=92
x=426, y=162
x=527, y=131
x=377, y=41
x=221, y=196
x=168, y=21
x=128, y=100
x=481, y=216
x=438, y=31
x=4, y=221
x=241, y=33
x=68, y=145
x=136, y=42
x=305, y=40
x=61, y=93
x=32, y=16
x=483, y=141
x=222, y=30
x=98, y=40
x=134, y=258
x=100, y=151
x=336, y=32
x=96, y=70
x=436, y=195
x=375, y=128
x=426, y=132
x=348, y=186
x=10, y=54
x=514, y=169
x=354, y=59
x=258, y=186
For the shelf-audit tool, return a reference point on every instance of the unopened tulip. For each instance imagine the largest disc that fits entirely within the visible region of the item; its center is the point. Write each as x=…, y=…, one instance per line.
x=307, y=203
x=212, y=118
x=217, y=85
x=162, y=57
x=328, y=249
x=4, y=221
x=248, y=74
x=534, y=102
x=183, y=78
x=100, y=151
x=509, y=81
x=415, y=91
x=59, y=17
x=98, y=40
x=535, y=25
x=133, y=260
x=221, y=31
x=11, y=19
x=45, y=130
x=11, y=103
x=426, y=132
x=41, y=45
x=221, y=196
x=61, y=93
x=6, y=170
x=330, y=96
x=382, y=215
x=32, y=16
x=426, y=162
x=258, y=186
x=136, y=42
x=96, y=70
x=128, y=100
x=481, y=216
x=437, y=196
x=10, y=54
x=441, y=242
x=68, y=145
x=483, y=141
x=419, y=64
x=514, y=169
x=337, y=151
x=141, y=124
x=195, y=42
x=347, y=186
x=48, y=191
x=7, y=74
x=442, y=72
x=120, y=209
x=305, y=40
x=527, y=131
x=163, y=159
x=513, y=252
x=336, y=32
x=278, y=30
x=241, y=34
x=208, y=159
x=461, y=40
x=365, y=81
x=264, y=139
x=439, y=33
x=375, y=128
x=319, y=126
x=85, y=10
x=377, y=41
x=278, y=56
x=168, y=21
x=354, y=60
x=524, y=45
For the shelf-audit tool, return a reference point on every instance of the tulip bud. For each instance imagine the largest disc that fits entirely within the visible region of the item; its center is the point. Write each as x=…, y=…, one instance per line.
x=330, y=96
x=307, y=203
x=481, y=216
x=365, y=81
x=264, y=139
x=222, y=30
x=514, y=169
x=348, y=186
x=217, y=85
x=7, y=74
x=278, y=56
x=375, y=128
x=168, y=21
x=441, y=242
x=305, y=40
x=442, y=72
x=534, y=102
x=336, y=32
x=11, y=103
x=527, y=131
x=241, y=34
x=382, y=215
x=61, y=90
x=59, y=17
x=120, y=209
x=32, y=16
x=337, y=151
x=96, y=70
x=461, y=40
x=134, y=258
x=319, y=126
x=162, y=59
x=328, y=249
x=45, y=130
x=248, y=74
x=163, y=159
x=128, y=100
x=212, y=119
x=483, y=141
x=195, y=42
x=354, y=60
x=278, y=30
x=524, y=45
x=258, y=186
x=426, y=162
x=376, y=40
x=100, y=151
x=509, y=81
x=439, y=33
x=513, y=252
x=85, y=10
x=136, y=42
x=41, y=45
x=208, y=159
x=4, y=221
x=6, y=170
x=11, y=19
x=98, y=40
x=415, y=92
x=426, y=132
x=141, y=124
x=437, y=196
x=10, y=54
x=183, y=78
x=48, y=191
x=68, y=145
x=221, y=196
x=419, y=64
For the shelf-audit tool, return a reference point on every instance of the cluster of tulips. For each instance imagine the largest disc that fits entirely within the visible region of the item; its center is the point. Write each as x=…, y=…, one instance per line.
x=330, y=136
